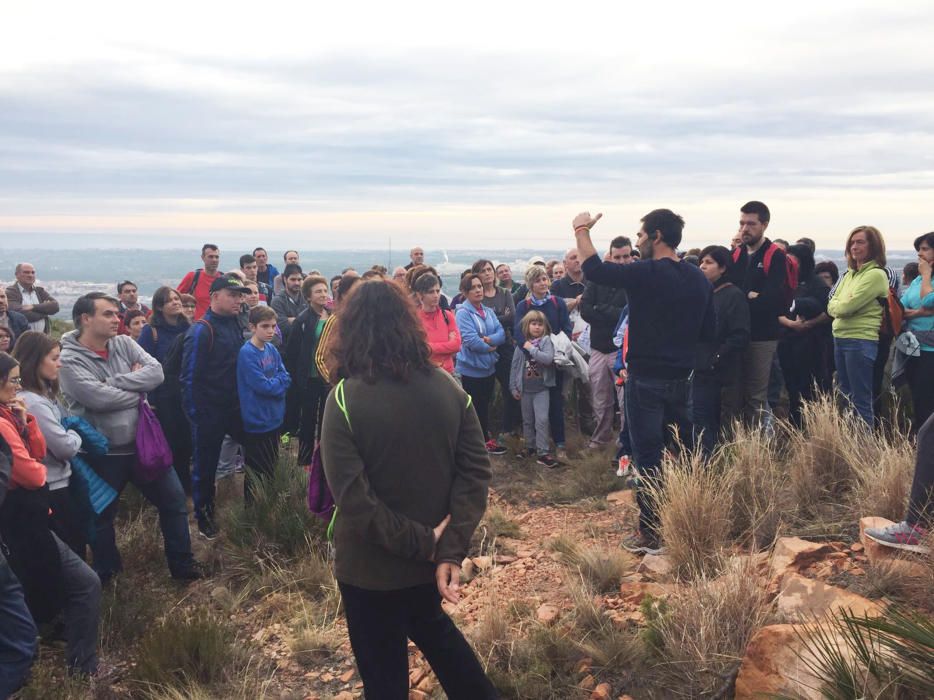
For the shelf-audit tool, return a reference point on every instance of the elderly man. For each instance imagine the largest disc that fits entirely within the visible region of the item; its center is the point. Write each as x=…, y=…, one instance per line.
x=416, y=257
x=12, y=320
x=36, y=304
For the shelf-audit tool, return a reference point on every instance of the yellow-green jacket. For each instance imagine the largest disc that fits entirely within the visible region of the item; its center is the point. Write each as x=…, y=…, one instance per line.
x=855, y=307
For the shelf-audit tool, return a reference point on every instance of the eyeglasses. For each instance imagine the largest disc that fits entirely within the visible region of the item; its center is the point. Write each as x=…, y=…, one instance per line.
x=15, y=380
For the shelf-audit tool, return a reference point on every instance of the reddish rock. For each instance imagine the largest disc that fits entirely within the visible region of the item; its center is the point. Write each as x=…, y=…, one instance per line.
x=588, y=682
x=601, y=692
x=658, y=565
x=344, y=695
x=346, y=676
x=633, y=593
x=856, y=547
x=547, y=613
x=772, y=666
x=795, y=553
x=802, y=598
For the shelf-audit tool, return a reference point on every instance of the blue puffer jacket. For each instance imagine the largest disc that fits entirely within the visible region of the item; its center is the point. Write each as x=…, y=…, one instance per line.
x=209, y=366
x=476, y=358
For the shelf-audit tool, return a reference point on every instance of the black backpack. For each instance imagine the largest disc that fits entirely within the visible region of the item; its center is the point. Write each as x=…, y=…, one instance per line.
x=172, y=362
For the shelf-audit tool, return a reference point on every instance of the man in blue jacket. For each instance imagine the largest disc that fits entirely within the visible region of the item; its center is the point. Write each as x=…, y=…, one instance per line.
x=670, y=312
x=209, y=390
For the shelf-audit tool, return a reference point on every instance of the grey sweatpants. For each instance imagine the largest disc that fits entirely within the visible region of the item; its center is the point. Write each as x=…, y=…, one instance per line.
x=535, y=420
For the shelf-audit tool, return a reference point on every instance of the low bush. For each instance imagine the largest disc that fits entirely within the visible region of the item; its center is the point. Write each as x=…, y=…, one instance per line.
x=182, y=650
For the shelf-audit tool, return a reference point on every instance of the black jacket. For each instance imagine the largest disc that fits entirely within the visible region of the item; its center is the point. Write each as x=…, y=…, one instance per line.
x=601, y=307
x=300, y=349
x=721, y=356
x=749, y=275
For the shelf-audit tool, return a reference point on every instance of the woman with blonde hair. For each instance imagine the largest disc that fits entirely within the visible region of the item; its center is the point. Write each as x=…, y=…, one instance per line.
x=857, y=315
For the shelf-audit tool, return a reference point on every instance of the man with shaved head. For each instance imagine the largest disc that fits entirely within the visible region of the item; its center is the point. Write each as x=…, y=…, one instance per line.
x=36, y=304
x=416, y=257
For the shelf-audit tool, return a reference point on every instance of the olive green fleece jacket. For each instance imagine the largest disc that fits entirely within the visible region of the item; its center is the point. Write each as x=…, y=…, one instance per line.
x=855, y=307
x=411, y=454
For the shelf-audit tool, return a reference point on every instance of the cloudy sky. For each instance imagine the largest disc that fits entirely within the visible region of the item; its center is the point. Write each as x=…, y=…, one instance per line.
x=462, y=125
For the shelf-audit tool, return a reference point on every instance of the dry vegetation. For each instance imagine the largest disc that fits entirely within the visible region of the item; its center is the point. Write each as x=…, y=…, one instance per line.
x=271, y=570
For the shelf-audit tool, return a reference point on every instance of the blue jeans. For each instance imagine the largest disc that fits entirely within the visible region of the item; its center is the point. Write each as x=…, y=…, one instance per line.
x=165, y=493
x=17, y=632
x=652, y=405
x=855, y=359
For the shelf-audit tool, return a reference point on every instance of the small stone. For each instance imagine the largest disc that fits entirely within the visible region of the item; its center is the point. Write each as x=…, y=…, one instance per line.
x=483, y=563
x=588, y=682
x=601, y=692
x=633, y=593
x=418, y=695
x=547, y=614
x=345, y=677
x=344, y=695
x=856, y=547
x=656, y=564
x=583, y=666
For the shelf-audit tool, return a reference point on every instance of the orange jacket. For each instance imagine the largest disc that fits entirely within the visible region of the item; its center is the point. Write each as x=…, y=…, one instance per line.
x=28, y=471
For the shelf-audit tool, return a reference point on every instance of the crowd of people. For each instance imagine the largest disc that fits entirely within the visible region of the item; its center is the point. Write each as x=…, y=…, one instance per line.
x=653, y=347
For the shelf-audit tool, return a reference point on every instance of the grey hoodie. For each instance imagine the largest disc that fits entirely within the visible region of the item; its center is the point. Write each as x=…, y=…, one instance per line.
x=106, y=392
x=61, y=445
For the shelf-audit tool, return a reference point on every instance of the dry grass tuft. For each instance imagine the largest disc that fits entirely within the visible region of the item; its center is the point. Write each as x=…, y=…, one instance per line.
x=590, y=476
x=825, y=455
x=694, y=501
x=762, y=498
x=702, y=632
x=602, y=568
x=881, y=487
x=497, y=523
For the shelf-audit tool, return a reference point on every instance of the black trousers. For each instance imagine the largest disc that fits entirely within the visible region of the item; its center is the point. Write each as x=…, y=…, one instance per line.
x=177, y=431
x=381, y=622
x=261, y=452
x=921, y=501
x=512, y=411
x=313, y=396
x=65, y=521
x=481, y=391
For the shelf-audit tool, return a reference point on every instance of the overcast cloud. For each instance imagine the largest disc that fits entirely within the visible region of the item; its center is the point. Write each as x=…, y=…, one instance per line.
x=465, y=125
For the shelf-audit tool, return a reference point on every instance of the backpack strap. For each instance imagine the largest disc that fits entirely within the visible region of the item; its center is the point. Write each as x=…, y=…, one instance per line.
x=767, y=258
x=194, y=281
x=155, y=334
x=210, y=331
x=737, y=251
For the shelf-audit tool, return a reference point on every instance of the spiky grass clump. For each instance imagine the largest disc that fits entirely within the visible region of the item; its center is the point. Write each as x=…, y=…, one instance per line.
x=701, y=632
x=825, y=456
x=602, y=568
x=186, y=649
x=762, y=497
x=694, y=501
x=891, y=656
x=278, y=524
x=881, y=487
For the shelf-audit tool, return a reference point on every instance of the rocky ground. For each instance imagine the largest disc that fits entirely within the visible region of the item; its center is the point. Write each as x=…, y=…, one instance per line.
x=516, y=570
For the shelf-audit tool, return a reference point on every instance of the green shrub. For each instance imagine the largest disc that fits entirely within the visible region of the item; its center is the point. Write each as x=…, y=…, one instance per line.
x=186, y=649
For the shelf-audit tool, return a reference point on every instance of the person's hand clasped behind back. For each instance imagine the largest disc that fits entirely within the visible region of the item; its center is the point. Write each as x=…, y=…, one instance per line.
x=447, y=574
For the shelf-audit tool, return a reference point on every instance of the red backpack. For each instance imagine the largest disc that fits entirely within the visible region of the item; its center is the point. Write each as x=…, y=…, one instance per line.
x=791, y=271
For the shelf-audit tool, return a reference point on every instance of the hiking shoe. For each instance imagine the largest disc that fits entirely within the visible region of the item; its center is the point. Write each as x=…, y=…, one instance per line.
x=494, y=448
x=207, y=529
x=548, y=461
x=641, y=543
x=624, y=467
x=900, y=536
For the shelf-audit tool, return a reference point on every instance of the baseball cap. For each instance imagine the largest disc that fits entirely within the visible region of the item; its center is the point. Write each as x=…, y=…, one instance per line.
x=231, y=282
x=536, y=260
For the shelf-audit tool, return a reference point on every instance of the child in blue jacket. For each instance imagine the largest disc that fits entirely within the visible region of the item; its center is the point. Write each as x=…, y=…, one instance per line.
x=262, y=382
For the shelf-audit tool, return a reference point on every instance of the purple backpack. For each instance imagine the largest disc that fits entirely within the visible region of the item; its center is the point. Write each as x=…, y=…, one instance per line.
x=320, y=498
x=153, y=454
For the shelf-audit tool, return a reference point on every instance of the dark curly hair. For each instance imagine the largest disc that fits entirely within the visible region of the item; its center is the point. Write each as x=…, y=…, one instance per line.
x=378, y=335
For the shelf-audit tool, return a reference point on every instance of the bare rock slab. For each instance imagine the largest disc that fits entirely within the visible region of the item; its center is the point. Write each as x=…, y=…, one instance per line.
x=802, y=598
